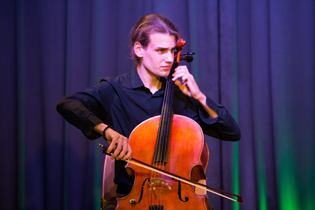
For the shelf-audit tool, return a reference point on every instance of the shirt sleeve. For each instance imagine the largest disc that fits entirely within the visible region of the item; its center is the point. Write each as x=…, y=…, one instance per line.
x=87, y=109
x=223, y=127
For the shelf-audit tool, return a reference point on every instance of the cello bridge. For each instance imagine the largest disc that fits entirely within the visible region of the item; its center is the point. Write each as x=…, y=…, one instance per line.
x=154, y=182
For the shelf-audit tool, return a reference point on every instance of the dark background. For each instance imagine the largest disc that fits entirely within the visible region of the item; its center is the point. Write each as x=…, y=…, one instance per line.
x=254, y=57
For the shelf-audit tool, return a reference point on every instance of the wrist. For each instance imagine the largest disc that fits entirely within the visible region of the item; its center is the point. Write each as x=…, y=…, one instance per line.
x=201, y=98
x=203, y=101
x=104, y=131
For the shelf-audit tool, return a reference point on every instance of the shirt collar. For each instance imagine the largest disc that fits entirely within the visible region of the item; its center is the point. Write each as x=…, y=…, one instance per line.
x=135, y=79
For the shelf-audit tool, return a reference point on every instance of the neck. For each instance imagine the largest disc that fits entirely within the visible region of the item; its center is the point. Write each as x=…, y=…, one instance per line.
x=149, y=80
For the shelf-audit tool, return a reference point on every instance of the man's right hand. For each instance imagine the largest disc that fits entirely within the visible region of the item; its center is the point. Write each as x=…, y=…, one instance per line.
x=119, y=146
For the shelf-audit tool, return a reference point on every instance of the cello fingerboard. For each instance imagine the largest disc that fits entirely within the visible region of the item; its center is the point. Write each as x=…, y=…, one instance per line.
x=162, y=142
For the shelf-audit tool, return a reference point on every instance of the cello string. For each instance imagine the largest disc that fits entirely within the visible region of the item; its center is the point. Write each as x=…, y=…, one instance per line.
x=159, y=150
x=163, y=134
x=162, y=142
x=162, y=138
x=166, y=123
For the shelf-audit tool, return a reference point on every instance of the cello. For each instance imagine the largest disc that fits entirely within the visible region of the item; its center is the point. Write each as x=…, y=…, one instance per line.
x=173, y=157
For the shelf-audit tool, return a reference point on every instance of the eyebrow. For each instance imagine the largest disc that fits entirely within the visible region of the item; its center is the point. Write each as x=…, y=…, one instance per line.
x=164, y=48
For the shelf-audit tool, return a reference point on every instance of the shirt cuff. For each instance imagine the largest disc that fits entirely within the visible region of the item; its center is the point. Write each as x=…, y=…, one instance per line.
x=88, y=130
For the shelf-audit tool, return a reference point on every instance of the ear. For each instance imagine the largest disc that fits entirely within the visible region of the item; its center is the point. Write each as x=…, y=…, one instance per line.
x=138, y=49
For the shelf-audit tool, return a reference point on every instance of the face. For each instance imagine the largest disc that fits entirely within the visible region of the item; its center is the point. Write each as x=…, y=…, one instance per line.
x=158, y=56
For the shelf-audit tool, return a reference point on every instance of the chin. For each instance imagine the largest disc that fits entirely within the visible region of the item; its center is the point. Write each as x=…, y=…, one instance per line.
x=165, y=73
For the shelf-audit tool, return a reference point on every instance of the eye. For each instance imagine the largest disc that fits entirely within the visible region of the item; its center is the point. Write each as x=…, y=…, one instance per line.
x=162, y=50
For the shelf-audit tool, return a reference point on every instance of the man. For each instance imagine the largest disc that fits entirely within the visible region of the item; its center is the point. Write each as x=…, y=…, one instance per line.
x=114, y=107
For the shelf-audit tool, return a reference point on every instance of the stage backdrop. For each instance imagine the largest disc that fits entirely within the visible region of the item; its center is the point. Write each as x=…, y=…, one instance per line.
x=254, y=57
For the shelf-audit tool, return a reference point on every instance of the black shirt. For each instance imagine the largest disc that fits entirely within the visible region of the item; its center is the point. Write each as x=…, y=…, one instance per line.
x=124, y=102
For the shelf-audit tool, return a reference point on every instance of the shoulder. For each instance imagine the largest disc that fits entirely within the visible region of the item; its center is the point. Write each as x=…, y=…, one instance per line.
x=123, y=80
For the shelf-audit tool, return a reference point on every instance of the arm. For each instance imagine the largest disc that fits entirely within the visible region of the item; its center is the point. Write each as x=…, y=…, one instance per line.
x=191, y=89
x=82, y=111
x=216, y=119
x=88, y=112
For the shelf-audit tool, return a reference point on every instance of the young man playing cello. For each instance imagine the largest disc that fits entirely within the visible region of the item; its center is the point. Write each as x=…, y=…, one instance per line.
x=114, y=107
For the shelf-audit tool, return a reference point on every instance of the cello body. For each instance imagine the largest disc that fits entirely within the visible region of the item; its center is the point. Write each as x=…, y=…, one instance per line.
x=187, y=157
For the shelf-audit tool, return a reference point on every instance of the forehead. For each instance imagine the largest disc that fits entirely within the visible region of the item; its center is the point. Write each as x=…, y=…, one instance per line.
x=162, y=40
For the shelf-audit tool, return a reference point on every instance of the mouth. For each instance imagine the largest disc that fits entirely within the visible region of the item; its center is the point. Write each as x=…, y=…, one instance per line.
x=166, y=68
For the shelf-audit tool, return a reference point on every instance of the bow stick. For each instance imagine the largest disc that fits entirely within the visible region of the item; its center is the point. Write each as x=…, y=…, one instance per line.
x=174, y=176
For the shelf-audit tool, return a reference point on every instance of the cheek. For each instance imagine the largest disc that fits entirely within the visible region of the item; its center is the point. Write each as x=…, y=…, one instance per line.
x=154, y=60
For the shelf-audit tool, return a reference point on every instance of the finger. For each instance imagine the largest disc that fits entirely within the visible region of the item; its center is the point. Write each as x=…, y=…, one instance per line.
x=181, y=77
x=112, y=146
x=118, y=148
x=180, y=72
x=128, y=155
x=177, y=75
x=123, y=149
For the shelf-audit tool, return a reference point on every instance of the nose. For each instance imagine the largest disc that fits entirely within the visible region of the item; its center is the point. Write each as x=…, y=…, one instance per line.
x=169, y=57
